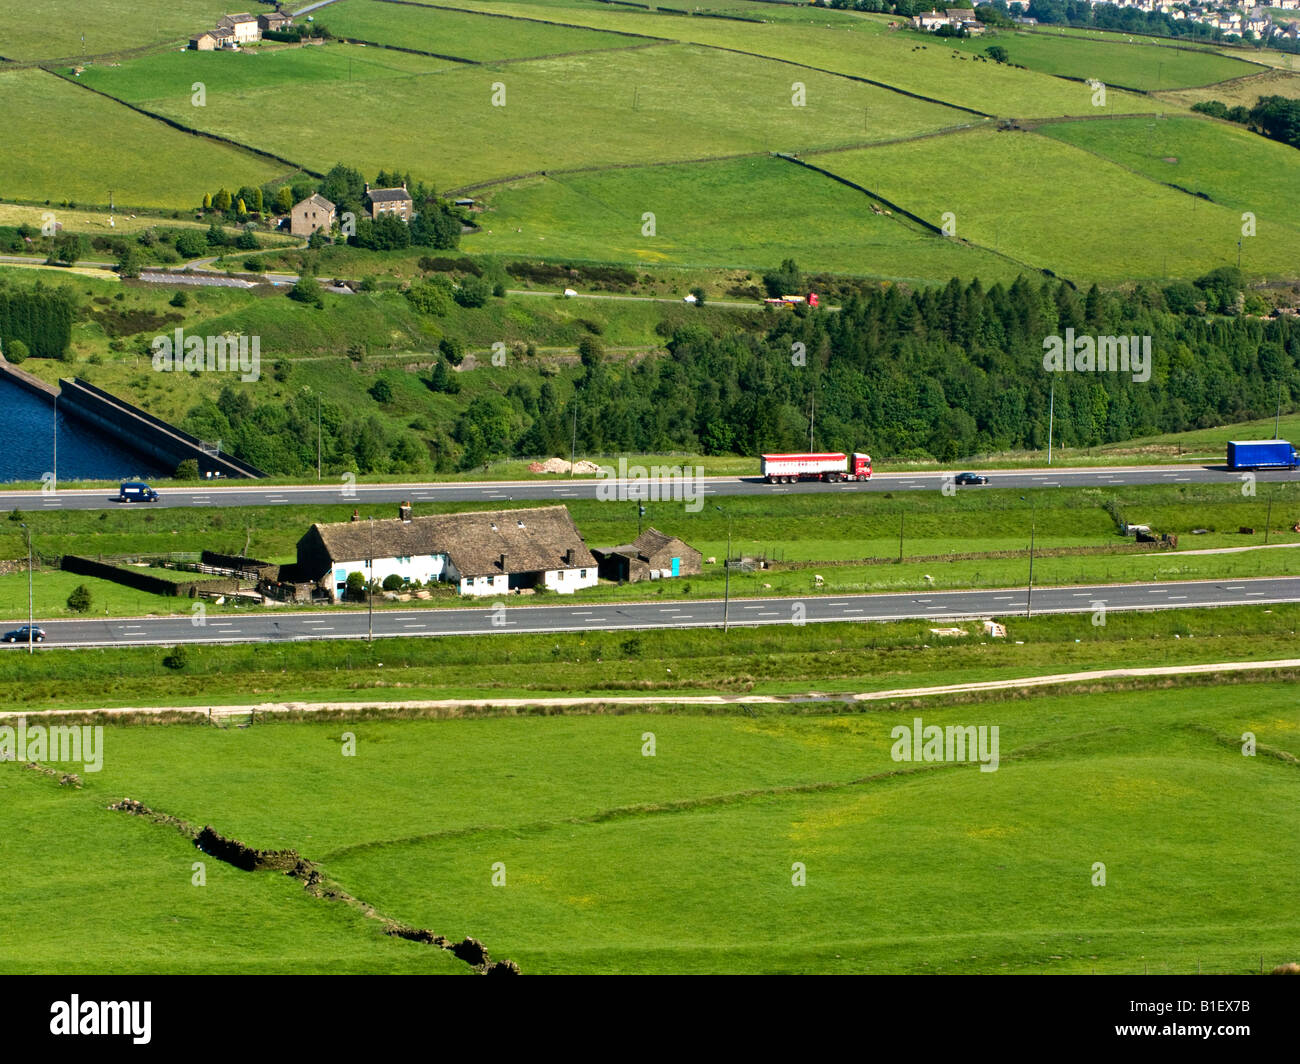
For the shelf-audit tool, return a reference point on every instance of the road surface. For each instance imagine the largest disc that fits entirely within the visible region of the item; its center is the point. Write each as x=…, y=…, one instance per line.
x=562, y=489
x=578, y=616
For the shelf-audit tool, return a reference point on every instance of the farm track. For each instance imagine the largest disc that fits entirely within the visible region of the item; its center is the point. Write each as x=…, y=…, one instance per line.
x=455, y=706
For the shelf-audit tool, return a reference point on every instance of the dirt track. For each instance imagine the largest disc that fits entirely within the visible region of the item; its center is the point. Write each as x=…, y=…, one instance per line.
x=669, y=698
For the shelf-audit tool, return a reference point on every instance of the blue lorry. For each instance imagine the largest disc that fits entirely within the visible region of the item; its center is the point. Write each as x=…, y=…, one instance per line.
x=1262, y=454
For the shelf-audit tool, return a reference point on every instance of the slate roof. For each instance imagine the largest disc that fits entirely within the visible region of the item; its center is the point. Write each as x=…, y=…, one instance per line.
x=388, y=195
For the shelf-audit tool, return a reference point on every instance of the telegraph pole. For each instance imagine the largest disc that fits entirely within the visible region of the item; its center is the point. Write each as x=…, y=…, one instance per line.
x=30, y=612
x=1029, y=598
x=726, y=586
x=370, y=586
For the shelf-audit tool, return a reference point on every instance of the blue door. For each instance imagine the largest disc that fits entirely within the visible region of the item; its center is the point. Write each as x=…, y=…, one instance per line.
x=677, y=567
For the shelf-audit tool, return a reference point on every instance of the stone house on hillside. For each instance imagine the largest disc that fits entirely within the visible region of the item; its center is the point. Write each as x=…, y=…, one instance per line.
x=390, y=201
x=315, y=212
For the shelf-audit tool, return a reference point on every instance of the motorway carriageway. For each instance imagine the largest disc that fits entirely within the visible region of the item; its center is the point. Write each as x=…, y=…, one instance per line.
x=562, y=489
x=269, y=626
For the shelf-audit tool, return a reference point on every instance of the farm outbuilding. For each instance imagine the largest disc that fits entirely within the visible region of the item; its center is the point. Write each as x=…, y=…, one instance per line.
x=651, y=556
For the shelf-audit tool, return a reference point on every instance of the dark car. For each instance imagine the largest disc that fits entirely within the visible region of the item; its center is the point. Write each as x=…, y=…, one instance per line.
x=19, y=635
x=970, y=478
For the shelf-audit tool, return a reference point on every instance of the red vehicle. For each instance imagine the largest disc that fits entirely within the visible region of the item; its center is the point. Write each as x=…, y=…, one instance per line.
x=831, y=468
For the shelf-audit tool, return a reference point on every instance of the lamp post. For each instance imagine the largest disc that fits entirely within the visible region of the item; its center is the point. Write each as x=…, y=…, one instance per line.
x=370, y=586
x=30, y=614
x=726, y=585
x=56, y=440
x=1029, y=598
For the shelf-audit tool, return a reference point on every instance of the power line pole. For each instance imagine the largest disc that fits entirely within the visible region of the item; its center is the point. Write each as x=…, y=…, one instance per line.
x=370, y=586
x=726, y=586
x=30, y=613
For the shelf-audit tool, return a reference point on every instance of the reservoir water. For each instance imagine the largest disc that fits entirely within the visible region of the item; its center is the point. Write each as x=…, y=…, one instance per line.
x=85, y=453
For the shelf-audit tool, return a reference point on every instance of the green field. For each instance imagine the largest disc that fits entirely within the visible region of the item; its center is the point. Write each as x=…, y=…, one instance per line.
x=586, y=110
x=617, y=862
x=1227, y=163
x=1112, y=61
x=141, y=911
x=150, y=165
x=461, y=34
x=863, y=48
x=663, y=663
x=52, y=29
x=749, y=213
x=1044, y=227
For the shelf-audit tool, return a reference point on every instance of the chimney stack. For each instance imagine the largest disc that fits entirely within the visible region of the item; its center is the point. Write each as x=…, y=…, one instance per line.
x=502, y=563
x=404, y=513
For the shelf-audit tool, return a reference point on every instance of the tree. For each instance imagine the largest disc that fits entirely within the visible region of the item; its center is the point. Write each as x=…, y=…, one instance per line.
x=246, y=241
x=180, y=299
x=473, y=292
x=356, y=587
x=188, y=469
x=306, y=290
x=80, y=599
x=452, y=350
x=221, y=201
x=283, y=200
x=381, y=391
x=344, y=187
x=16, y=351
x=68, y=248
x=191, y=244
x=177, y=658
x=997, y=53
x=207, y=201
x=393, y=582
x=786, y=280
x=241, y=208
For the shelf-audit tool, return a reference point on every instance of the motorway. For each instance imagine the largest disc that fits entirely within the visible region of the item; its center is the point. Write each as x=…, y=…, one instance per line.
x=561, y=489
x=942, y=607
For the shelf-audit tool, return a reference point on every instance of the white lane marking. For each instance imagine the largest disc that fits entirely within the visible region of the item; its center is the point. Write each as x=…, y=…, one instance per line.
x=1157, y=591
x=852, y=611
x=670, y=609
x=414, y=626
x=1239, y=587
x=1173, y=597
x=999, y=598
x=684, y=617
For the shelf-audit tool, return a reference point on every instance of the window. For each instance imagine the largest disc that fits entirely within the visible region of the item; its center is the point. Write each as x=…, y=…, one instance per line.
x=583, y=574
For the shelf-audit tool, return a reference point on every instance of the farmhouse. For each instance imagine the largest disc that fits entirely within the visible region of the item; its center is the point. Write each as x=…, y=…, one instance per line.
x=275, y=20
x=390, y=201
x=244, y=27
x=651, y=556
x=487, y=553
x=315, y=212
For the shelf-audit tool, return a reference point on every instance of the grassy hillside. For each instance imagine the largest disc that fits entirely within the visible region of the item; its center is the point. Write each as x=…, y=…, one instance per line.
x=602, y=846
x=51, y=29
x=1119, y=242
x=593, y=109
x=1225, y=162
x=863, y=48
x=750, y=213
x=150, y=165
x=1112, y=61
x=460, y=33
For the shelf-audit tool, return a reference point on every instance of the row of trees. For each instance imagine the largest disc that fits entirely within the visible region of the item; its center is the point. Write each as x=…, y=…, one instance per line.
x=941, y=373
x=36, y=321
x=1273, y=116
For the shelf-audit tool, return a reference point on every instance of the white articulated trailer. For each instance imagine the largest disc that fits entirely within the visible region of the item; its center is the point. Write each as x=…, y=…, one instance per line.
x=788, y=468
